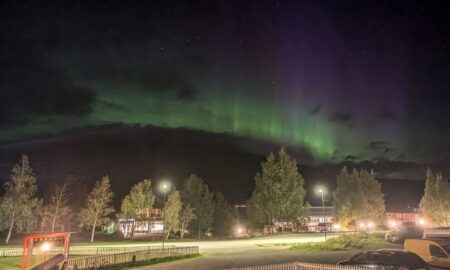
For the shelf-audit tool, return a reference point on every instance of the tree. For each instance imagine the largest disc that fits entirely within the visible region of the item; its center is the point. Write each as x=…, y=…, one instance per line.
x=187, y=215
x=19, y=201
x=59, y=204
x=358, y=197
x=196, y=193
x=279, y=192
x=223, y=219
x=347, y=198
x=172, y=210
x=138, y=203
x=97, y=206
x=373, y=207
x=435, y=203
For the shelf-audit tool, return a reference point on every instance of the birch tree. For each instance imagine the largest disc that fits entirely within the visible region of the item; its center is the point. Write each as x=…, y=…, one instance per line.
x=59, y=204
x=172, y=210
x=187, y=215
x=97, y=206
x=19, y=201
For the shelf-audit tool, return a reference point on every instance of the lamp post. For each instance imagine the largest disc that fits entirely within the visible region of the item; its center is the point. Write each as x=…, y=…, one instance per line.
x=164, y=188
x=323, y=213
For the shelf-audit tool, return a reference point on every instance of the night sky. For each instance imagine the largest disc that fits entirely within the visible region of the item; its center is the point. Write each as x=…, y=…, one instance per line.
x=345, y=80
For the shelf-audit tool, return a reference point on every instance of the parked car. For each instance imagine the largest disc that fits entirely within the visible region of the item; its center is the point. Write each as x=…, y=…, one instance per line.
x=434, y=252
x=407, y=230
x=387, y=259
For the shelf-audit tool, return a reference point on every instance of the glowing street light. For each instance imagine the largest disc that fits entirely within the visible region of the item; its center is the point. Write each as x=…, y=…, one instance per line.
x=370, y=224
x=421, y=221
x=392, y=223
x=362, y=225
x=337, y=226
x=45, y=246
x=321, y=191
x=164, y=187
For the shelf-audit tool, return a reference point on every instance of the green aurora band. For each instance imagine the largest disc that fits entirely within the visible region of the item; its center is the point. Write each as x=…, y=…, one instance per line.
x=233, y=112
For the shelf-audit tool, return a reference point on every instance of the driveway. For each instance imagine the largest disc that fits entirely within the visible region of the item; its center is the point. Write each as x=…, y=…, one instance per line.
x=224, y=254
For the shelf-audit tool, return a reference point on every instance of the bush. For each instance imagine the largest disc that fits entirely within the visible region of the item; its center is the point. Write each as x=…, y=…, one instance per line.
x=343, y=242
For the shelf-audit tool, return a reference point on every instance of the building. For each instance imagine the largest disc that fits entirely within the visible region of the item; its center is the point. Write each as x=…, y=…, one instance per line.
x=150, y=223
x=402, y=217
x=321, y=218
x=410, y=215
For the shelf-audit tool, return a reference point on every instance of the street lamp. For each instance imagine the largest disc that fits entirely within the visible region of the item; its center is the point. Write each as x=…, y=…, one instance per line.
x=321, y=191
x=45, y=247
x=164, y=187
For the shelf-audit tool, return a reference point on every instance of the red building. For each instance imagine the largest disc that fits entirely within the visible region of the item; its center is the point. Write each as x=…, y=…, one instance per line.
x=402, y=217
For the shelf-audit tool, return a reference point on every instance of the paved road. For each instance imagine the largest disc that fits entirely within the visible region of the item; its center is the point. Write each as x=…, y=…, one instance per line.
x=224, y=254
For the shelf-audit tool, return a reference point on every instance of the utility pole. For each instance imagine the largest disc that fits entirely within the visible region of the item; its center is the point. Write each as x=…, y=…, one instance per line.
x=323, y=214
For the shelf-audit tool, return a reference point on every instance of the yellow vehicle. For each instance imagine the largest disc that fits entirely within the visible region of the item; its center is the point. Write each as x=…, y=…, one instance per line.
x=434, y=252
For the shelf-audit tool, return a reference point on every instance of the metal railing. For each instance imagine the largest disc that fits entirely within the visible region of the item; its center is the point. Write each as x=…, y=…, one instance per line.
x=103, y=261
x=82, y=250
x=300, y=266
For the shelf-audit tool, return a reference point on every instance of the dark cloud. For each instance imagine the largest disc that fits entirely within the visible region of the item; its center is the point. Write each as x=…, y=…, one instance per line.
x=350, y=158
x=388, y=115
x=380, y=147
x=377, y=145
x=316, y=109
x=30, y=88
x=112, y=105
x=163, y=78
x=342, y=117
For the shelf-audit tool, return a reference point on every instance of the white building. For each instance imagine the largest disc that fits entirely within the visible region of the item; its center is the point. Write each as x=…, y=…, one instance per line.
x=321, y=217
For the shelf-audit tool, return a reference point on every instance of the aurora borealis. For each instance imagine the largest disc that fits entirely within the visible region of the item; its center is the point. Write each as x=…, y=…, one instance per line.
x=346, y=81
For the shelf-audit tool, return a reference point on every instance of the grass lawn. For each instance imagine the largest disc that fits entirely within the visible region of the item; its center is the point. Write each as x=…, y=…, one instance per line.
x=355, y=241
x=344, y=242
x=10, y=263
x=175, y=240
x=14, y=263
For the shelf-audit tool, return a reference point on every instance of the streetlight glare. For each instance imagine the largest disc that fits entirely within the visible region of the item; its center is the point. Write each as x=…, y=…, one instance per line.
x=321, y=189
x=164, y=186
x=421, y=221
x=45, y=246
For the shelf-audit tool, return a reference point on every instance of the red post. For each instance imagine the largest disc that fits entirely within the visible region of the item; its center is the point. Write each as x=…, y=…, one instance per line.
x=27, y=247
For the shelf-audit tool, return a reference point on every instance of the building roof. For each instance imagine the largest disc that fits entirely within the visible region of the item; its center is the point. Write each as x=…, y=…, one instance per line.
x=319, y=211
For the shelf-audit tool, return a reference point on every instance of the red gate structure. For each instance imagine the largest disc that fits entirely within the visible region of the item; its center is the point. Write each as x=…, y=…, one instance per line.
x=31, y=239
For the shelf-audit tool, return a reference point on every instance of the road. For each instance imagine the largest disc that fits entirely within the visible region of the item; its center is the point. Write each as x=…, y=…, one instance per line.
x=225, y=254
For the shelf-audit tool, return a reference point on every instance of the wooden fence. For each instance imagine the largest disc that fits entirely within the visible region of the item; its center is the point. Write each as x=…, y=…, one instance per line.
x=82, y=250
x=299, y=266
x=103, y=261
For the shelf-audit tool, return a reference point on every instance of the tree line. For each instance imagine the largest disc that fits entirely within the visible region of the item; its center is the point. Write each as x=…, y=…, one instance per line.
x=194, y=208
x=278, y=198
